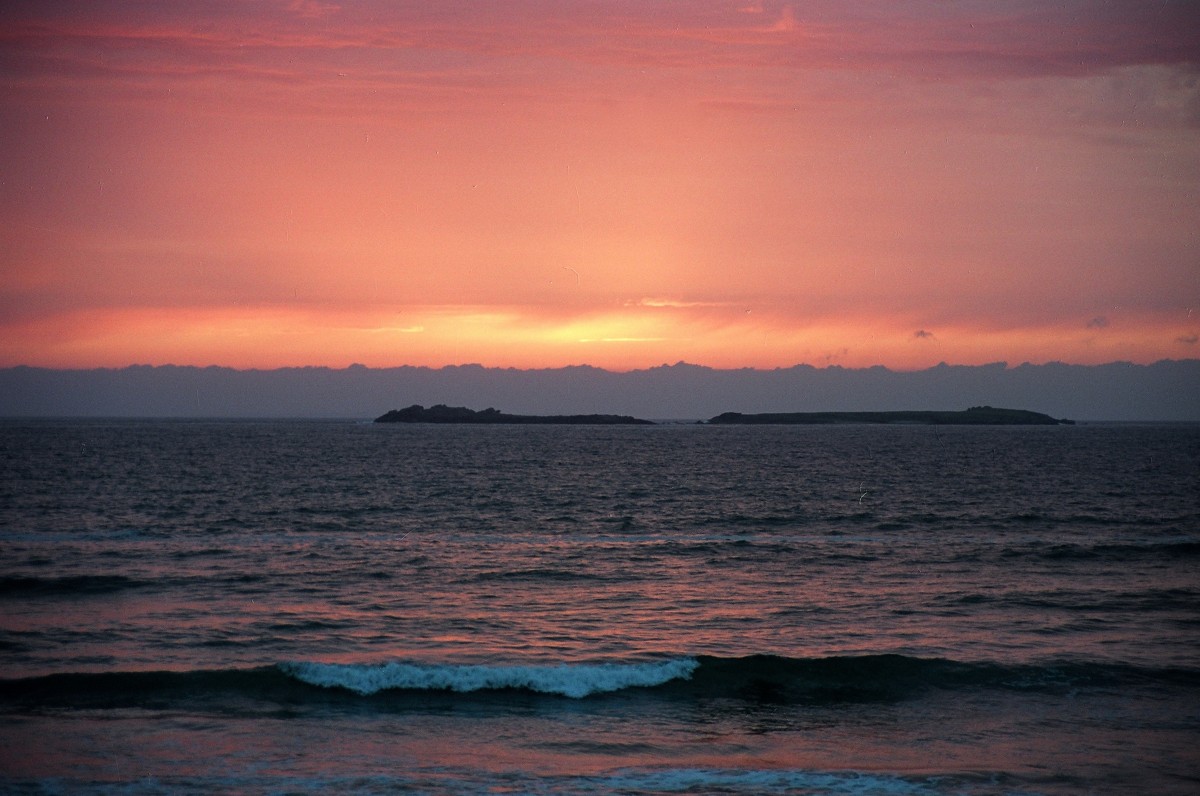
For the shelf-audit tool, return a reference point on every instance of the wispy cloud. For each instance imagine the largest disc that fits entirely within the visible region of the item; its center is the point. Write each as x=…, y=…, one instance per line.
x=313, y=9
x=670, y=303
x=1072, y=38
x=622, y=339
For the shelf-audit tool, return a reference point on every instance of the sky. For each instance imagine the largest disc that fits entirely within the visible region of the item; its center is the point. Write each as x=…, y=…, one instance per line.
x=621, y=184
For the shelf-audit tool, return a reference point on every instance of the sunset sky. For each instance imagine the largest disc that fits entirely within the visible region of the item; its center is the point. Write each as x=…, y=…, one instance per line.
x=535, y=184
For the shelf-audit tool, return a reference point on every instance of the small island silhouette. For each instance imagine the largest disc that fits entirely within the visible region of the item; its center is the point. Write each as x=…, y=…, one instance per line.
x=975, y=416
x=459, y=414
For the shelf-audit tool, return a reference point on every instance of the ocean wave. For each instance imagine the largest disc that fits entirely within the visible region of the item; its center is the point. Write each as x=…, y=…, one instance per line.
x=67, y=585
x=1162, y=601
x=441, y=780
x=570, y=680
x=85, y=586
x=755, y=678
x=535, y=574
x=893, y=678
x=701, y=780
x=1105, y=551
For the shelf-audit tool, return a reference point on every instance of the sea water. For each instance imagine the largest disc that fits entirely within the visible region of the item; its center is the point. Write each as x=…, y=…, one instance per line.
x=282, y=607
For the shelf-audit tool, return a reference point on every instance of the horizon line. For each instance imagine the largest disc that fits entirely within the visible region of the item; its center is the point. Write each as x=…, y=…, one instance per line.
x=357, y=366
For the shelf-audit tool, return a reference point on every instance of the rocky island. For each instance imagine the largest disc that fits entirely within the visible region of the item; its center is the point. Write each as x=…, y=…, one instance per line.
x=459, y=414
x=975, y=416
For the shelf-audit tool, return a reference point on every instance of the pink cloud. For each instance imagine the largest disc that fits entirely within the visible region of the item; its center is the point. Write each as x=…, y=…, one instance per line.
x=1010, y=39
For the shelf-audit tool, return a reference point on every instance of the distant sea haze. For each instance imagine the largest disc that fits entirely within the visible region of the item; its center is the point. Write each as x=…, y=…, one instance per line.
x=1119, y=391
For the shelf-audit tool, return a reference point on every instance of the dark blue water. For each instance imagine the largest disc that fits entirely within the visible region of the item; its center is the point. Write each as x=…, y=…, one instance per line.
x=299, y=606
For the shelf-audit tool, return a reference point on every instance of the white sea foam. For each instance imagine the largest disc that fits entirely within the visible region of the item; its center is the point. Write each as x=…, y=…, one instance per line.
x=692, y=780
x=456, y=782
x=570, y=680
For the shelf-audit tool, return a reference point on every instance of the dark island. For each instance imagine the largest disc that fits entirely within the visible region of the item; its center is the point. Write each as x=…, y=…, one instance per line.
x=975, y=416
x=459, y=414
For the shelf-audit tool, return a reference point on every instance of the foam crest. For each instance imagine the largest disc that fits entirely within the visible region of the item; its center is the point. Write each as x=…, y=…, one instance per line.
x=570, y=680
x=763, y=781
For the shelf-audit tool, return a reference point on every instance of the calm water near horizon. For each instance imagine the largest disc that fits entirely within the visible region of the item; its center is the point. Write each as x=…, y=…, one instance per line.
x=297, y=606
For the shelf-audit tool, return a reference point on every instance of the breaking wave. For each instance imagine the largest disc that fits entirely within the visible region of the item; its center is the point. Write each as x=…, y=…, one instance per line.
x=755, y=678
x=576, y=681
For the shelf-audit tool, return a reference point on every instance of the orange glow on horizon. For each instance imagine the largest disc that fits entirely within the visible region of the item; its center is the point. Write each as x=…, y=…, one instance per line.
x=626, y=338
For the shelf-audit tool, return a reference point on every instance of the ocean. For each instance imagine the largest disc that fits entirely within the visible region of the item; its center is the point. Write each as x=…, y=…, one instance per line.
x=302, y=606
